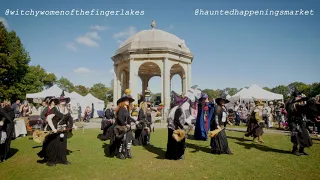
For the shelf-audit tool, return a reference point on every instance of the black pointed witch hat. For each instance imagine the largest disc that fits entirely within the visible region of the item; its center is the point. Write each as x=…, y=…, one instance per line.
x=62, y=98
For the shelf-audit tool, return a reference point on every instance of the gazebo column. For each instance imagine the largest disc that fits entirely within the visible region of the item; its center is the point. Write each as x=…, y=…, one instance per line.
x=184, y=84
x=116, y=84
x=133, y=83
x=166, y=84
x=127, y=80
x=189, y=77
x=119, y=89
x=145, y=83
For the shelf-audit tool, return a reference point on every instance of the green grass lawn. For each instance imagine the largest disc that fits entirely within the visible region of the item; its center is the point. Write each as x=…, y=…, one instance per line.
x=272, y=160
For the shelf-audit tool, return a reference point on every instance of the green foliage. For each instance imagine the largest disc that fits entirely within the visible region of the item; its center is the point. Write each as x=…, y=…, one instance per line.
x=14, y=61
x=231, y=91
x=100, y=91
x=35, y=80
x=82, y=90
x=65, y=84
x=281, y=89
x=212, y=93
x=270, y=160
x=266, y=88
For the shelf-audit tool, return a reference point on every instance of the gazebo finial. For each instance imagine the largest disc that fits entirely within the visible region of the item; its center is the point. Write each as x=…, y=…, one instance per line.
x=153, y=24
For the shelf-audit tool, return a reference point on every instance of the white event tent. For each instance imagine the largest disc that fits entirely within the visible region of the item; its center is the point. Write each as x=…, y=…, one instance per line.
x=74, y=97
x=255, y=92
x=52, y=91
x=98, y=104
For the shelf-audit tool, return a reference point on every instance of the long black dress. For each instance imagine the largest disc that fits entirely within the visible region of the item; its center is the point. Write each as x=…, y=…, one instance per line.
x=141, y=134
x=122, y=146
x=298, y=126
x=6, y=113
x=55, y=145
x=175, y=150
x=106, y=124
x=219, y=143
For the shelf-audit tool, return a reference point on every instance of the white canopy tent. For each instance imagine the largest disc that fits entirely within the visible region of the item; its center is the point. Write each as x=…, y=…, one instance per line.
x=89, y=99
x=52, y=91
x=256, y=92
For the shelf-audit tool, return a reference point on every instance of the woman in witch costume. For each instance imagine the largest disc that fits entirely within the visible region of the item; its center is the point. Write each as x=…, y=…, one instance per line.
x=55, y=145
x=256, y=122
x=6, y=130
x=219, y=143
x=297, y=109
x=204, y=116
x=178, y=116
x=143, y=129
x=122, y=139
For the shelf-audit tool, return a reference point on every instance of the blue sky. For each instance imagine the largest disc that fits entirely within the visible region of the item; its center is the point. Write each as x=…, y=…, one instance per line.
x=230, y=51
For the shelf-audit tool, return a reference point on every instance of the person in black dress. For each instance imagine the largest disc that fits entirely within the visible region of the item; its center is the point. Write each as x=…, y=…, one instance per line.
x=297, y=109
x=7, y=116
x=54, y=150
x=178, y=114
x=219, y=143
x=107, y=122
x=121, y=142
x=143, y=129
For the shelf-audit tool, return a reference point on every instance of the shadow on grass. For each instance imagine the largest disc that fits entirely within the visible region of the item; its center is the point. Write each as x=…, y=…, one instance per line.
x=102, y=137
x=191, y=137
x=156, y=150
x=34, y=147
x=262, y=148
x=197, y=148
x=241, y=139
x=236, y=130
x=12, y=152
x=109, y=151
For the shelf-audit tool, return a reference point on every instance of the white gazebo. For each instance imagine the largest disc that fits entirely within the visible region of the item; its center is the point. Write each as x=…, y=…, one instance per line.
x=147, y=54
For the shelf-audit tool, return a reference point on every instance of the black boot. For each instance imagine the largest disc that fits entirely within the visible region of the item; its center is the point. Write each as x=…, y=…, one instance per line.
x=295, y=150
x=301, y=151
x=129, y=155
x=121, y=156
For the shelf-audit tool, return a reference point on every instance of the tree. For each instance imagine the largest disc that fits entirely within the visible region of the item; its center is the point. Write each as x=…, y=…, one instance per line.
x=266, y=88
x=281, y=89
x=82, y=90
x=314, y=89
x=14, y=61
x=302, y=87
x=99, y=91
x=35, y=80
x=212, y=93
x=65, y=84
x=231, y=91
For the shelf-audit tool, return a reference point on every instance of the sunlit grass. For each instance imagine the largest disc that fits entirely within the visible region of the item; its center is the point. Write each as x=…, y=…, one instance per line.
x=272, y=160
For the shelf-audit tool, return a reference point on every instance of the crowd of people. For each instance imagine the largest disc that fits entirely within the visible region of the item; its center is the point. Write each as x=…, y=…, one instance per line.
x=210, y=121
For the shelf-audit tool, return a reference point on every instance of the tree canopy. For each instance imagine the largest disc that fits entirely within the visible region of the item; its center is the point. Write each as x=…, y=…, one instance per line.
x=17, y=77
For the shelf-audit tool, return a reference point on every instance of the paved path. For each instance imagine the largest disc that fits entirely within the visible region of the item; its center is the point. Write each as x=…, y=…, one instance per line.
x=96, y=123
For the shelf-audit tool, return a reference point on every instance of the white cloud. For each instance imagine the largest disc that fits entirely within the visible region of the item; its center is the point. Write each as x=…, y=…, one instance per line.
x=83, y=70
x=93, y=35
x=128, y=32
x=4, y=21
x=72, y=46
x=87, y=41
x=171, y=27
x=99, y=28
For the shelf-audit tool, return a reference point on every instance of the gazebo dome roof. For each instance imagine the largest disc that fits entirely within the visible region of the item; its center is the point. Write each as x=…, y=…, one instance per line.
x=154, y=39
